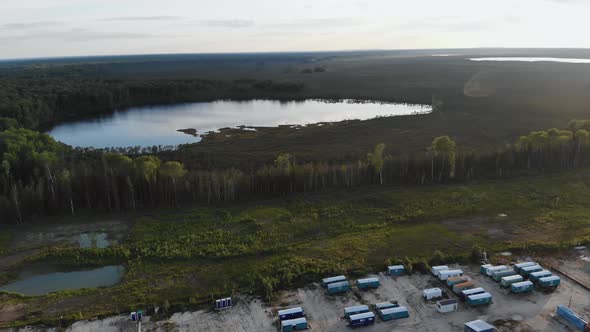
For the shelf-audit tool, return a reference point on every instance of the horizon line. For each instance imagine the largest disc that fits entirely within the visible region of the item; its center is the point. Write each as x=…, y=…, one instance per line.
x=24, y=59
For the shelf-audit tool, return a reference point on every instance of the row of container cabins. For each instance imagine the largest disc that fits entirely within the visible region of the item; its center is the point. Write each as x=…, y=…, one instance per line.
x=460, y=285
x=515, y=277
x=339, y=284
x=361, y=315
x=293, y=319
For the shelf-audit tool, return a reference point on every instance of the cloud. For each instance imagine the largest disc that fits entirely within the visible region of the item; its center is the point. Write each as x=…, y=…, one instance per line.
x=77, y=35
x=447, y=23
x=317, y=22
x=142, y=18
x=29, y=25
x=231, y=23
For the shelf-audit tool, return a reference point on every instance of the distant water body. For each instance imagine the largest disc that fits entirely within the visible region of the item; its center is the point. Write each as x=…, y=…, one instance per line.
x=533, y=59
x=159, y=125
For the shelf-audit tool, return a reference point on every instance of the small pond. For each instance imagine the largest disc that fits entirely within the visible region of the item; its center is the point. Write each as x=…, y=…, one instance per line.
x=159, y=125
x=58, y=281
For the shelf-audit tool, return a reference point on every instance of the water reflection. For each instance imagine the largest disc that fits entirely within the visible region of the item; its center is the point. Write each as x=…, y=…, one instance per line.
x=158, y=125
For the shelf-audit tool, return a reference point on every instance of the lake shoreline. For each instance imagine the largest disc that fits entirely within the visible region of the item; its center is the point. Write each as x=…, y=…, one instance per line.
x=168, y=125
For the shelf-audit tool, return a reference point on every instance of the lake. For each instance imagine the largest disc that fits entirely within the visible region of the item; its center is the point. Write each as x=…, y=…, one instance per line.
x=58, y=281
x=533, y=59
x=158, y=125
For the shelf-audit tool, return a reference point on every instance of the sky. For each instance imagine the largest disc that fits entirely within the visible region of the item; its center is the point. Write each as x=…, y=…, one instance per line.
x=47, y=28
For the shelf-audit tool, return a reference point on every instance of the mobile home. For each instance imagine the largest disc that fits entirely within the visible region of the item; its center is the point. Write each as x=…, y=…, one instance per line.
x=549, y=282
x=447, y=306
x=519, y=266
x=463, y=295
x=483, y=268
x=492, y=269
x=498, y=275
x=521, y=287
x=364, y=319
x=396, y=270
x=368, y=283
x=330, y=280
x=291, y=313
x=297, y=324
x=432, y=293
x=394, y=313
x=436, y=269
x=458, y=288
x=457, y=280
x=507, y=281
x=446, y=274
x=540, y=274
x=338, y=287
x=357, y=309
x=479, y=299
x=386, y=305
x=526, y=271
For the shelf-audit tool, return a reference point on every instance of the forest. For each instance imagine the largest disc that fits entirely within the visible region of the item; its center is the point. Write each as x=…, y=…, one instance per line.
x=467, y=138
x=257, y=212
x=41, y=177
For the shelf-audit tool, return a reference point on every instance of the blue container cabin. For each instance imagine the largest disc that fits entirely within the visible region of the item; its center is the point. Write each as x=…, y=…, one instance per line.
x=385, y=305
x=519, y=266
x=535, y=276
x=364, y=319
x=549, y=282
x=338, y=287
x=478, y=326
x=297, y=324
x=357, y=309
x=291, y=313
x=479, y=299
x=509, y=280
x=498, y=275
x=368, y=283
x=521, y=287
x=484, y=268
x=463, y=295
x=394, y=313
x=396, y=270
x=490, y=270
x=327, y=281
x=526, y=271
x=572, y=317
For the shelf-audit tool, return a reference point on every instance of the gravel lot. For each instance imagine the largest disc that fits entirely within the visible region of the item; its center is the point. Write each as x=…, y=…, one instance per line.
x=511, y=312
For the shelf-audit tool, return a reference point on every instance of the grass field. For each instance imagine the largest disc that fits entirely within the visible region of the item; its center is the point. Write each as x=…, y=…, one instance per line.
x=182, y=258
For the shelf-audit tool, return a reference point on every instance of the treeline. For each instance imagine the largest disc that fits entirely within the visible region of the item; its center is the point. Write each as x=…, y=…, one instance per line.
x=41, y=102
x=40, y=177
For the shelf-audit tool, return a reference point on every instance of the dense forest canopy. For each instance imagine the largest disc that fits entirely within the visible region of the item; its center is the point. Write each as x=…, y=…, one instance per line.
x=42, y=177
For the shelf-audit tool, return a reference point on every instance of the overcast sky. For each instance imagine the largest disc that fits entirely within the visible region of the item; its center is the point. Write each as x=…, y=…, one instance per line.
x=39, y=28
